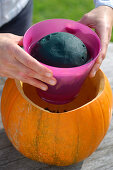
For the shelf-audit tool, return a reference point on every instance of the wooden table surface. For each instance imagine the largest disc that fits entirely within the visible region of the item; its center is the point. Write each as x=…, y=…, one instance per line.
x=101, y=159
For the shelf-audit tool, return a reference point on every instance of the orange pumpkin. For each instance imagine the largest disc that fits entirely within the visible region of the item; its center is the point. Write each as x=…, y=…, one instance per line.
x=57, y=134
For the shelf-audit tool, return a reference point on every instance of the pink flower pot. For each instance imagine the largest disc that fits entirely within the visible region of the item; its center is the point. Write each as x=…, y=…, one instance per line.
x=69, y=80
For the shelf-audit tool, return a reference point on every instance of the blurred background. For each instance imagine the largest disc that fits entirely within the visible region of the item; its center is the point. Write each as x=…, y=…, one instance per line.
x=68, y=9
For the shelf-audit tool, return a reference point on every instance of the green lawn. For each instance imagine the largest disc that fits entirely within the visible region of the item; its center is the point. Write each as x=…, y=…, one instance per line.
x=69, y=9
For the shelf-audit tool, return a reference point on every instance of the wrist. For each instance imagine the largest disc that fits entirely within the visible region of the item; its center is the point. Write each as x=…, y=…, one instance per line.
x=106, y=12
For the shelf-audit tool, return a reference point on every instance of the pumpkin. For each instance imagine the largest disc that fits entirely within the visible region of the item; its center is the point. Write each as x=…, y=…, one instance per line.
x=60, y=49
x=57, y=134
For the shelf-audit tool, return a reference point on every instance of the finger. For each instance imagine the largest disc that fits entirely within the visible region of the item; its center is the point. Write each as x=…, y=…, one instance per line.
x=17, y=66
x=109, y=35
x=26, y=79
x=104, y=46
x=94, y=70
x=33, y=82
x=30, y=73
x=104, y=38
x=99, y=59
x=104, y=33
x=31, y=63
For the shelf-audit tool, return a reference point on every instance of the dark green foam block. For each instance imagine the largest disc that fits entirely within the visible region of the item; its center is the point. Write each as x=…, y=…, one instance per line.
x=60, y=49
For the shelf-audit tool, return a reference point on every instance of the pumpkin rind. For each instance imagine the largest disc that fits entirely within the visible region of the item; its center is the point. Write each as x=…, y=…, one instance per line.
x=55, y=138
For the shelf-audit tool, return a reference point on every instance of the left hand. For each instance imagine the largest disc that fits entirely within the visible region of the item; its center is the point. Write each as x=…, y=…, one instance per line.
x=101, y=19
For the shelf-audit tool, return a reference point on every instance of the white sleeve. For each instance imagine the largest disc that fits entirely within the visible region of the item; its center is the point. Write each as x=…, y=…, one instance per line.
x=103, y=2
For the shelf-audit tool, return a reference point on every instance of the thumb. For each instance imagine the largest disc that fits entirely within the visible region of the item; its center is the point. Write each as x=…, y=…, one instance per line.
x=87, y=20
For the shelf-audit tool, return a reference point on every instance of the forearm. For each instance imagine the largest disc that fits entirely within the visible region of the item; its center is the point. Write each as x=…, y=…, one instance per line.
x=103, y=3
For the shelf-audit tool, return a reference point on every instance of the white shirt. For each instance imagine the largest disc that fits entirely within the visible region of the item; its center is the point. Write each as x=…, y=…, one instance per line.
x=103, y=2
x=10, y=9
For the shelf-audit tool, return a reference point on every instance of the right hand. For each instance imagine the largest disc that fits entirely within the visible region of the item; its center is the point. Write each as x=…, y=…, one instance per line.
x=17, y=64
x=101, y=19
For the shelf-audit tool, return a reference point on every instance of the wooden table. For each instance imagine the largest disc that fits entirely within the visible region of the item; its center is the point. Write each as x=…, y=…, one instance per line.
x=101, y=159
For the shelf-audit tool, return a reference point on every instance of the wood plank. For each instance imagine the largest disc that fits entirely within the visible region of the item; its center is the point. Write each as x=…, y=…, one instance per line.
x=11, y=159
x=2, y=82
x=4, y=142
x=26, y=164
x=9, y=154
x=102, y=158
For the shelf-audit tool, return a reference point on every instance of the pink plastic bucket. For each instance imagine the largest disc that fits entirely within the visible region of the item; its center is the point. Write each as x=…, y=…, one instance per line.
x=69, y=80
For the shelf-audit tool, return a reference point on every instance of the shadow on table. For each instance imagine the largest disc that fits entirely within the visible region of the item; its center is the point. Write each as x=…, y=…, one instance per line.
x=11, y=159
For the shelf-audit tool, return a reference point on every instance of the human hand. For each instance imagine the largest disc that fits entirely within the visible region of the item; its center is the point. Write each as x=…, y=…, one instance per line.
x=101, y=19
x=17, y=64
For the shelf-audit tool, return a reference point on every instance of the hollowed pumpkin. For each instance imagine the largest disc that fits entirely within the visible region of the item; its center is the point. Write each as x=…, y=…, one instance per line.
x=57, y=134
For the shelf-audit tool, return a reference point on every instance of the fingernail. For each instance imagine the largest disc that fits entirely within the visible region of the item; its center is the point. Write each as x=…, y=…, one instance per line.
x=44, y=88
x=52, y=82
x=48, y=74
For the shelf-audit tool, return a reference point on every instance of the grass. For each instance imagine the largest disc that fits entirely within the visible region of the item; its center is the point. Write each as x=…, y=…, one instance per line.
x=68, y=9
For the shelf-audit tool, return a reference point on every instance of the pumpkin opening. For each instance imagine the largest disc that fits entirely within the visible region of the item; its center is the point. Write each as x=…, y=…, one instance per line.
x=90, y=90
